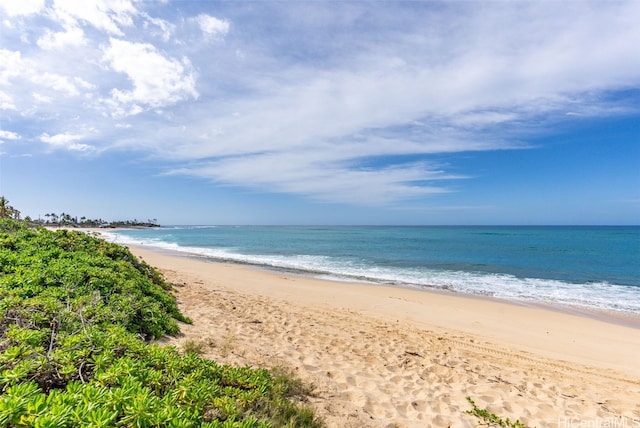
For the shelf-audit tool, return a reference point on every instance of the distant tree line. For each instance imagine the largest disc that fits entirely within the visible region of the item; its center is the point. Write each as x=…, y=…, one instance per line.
x=67, y=220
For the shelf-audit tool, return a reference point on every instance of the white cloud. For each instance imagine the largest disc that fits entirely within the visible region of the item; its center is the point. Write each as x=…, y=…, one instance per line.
x=56, y=82
x=166, y=27
x=212, y=27
x=157, y=80
x=83, y=84
x=21, y=7
x=484, y=118
x=72, y=36
x=312, y=174
x=6, y=102
x=42, y=99
x=10, y=65
x=66, y=141
x=17, y=73
x=8, y=135
x=105, y=15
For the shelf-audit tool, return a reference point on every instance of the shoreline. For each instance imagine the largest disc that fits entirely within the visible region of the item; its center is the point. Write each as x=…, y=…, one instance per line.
x=384, y=356
x=624, y=318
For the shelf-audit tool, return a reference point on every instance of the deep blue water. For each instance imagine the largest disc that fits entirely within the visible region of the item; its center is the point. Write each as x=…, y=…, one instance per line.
x=591, y=267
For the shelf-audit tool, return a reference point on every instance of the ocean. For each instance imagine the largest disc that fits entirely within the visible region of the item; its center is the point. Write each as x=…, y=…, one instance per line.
x=596, y=268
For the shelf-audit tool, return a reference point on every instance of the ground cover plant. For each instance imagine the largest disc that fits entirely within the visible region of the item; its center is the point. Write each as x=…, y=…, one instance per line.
x=77, y=315
x=491, y=419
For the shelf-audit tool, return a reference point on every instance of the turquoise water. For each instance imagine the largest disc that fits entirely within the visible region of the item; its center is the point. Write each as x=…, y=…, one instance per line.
x=588, y=267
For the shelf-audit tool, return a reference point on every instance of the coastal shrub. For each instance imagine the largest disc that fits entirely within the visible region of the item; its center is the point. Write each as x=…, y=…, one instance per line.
x=77, y=315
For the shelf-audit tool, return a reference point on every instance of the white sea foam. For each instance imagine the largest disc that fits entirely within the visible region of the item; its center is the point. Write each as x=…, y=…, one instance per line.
x=599, y=296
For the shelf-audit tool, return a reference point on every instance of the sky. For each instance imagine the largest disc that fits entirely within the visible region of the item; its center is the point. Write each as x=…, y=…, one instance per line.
x=322, y=112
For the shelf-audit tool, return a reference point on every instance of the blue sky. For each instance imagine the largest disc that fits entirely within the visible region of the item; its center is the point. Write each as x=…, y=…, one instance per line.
x=312, y=112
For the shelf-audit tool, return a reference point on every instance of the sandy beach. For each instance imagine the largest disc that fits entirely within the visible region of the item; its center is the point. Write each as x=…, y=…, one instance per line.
x=393, y=357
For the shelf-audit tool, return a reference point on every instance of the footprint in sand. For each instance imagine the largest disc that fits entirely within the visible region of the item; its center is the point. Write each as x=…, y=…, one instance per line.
x=419, y=405
x=338, y=377
x=357, y=398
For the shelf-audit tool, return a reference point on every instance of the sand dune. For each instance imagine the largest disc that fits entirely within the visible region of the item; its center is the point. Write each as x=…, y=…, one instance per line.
x=389, y=357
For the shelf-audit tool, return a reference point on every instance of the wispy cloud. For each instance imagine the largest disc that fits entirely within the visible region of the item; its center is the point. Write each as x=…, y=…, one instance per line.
x=211, y=26
x=342, y=102
x=66, y=141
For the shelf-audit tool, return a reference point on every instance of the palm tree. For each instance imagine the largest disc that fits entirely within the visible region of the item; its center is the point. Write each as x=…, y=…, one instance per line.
x=4, y=207
x=7, y=210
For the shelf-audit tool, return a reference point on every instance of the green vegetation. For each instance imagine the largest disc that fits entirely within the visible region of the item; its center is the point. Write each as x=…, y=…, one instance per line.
x=491, y=419
x=76, y=317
